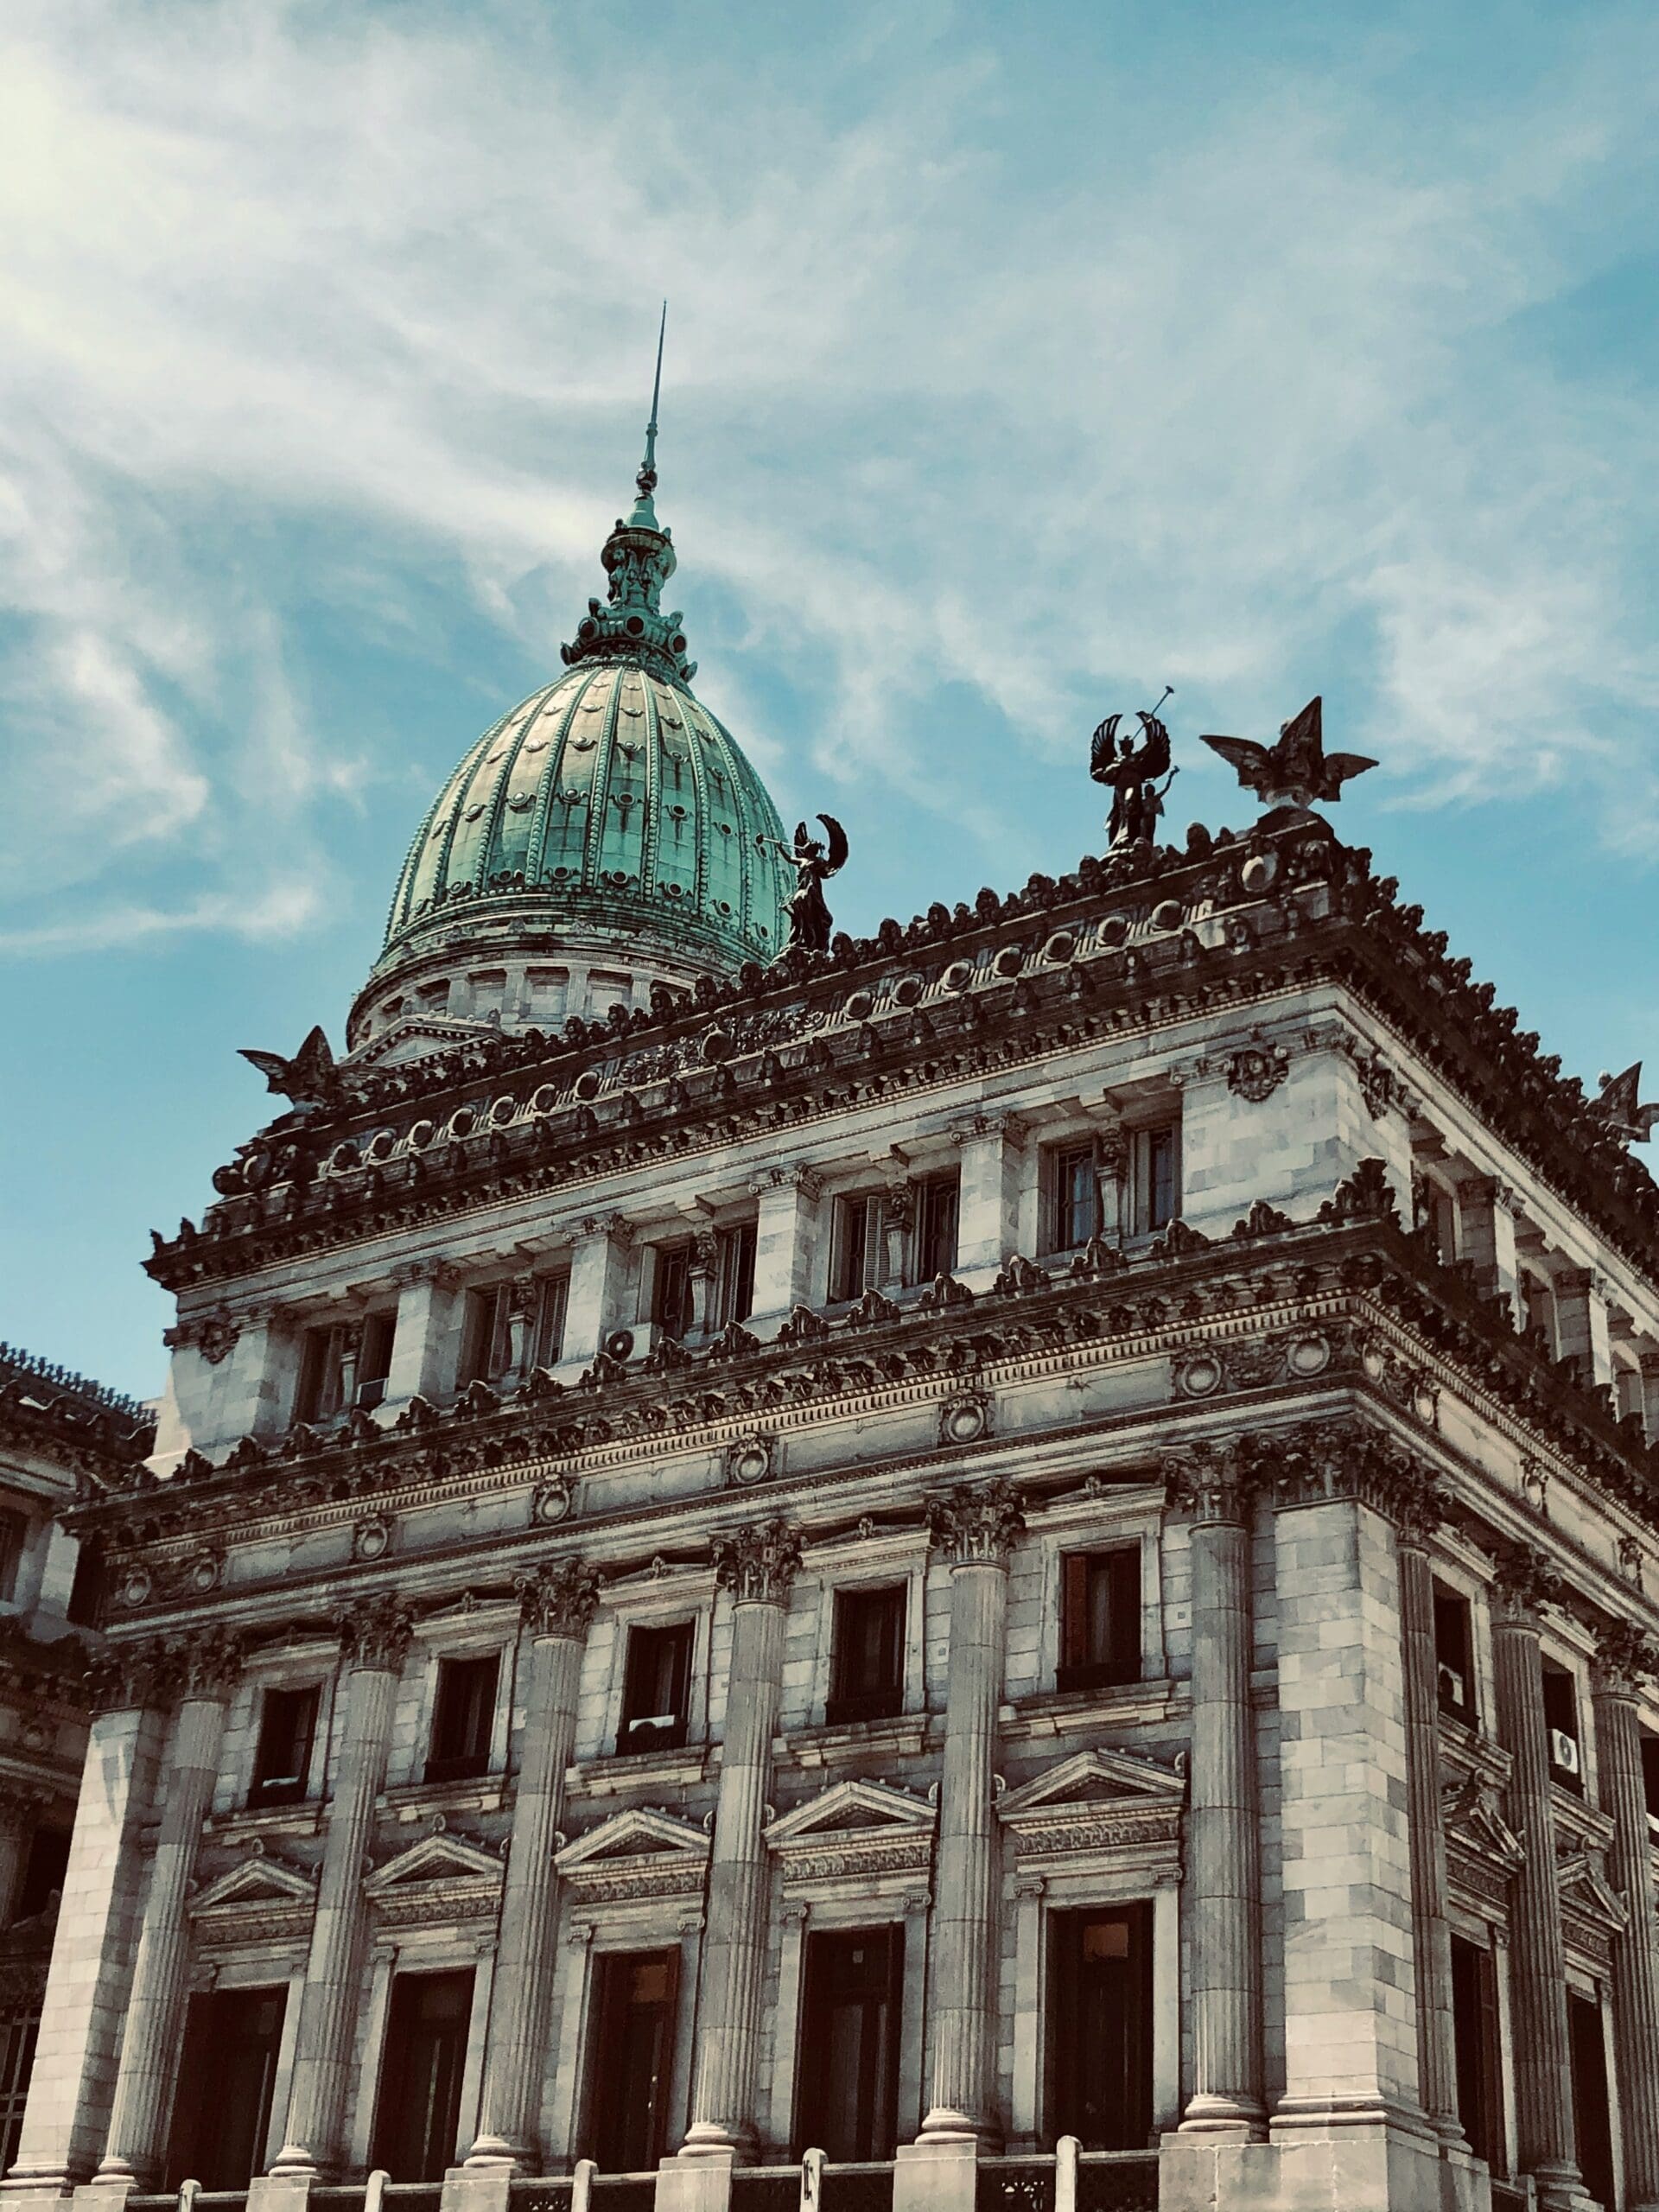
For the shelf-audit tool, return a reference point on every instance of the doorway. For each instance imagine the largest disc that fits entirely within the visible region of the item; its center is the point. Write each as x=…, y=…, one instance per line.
x=227, y=2075
x=1100, y=2026
x=417, y=2113
x=847, y=2098
x=633, y=2062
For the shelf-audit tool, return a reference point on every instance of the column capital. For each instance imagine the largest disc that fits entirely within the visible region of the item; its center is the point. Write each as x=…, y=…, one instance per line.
x=806, y=1180
x=1343, y=1461
x=206, y=1662
x=975, y=1524
x=1524, y=1584
x=610, y=1226
x=758, y=1563
x=558, y=1599
x=992, y=1123
x=441, y=1274
x=375, y=1635
x=1212, y=1482
x=1624, y=1660
x=128, y=1677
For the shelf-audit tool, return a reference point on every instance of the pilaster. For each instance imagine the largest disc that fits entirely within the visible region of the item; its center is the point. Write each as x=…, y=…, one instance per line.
x=992, y=1147
x=784, y=1245
x=1625, y=1662
x=423, y=1336
x=1582, y=1326
x=598, y=1266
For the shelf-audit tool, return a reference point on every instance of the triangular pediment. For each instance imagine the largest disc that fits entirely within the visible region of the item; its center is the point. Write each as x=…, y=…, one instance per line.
x=1474, y=1826
x=1091, y=1779
x=641, y=1833
x=258, y=1880
x=1584, y=1889
x=853, y=1808
x=434, y=1858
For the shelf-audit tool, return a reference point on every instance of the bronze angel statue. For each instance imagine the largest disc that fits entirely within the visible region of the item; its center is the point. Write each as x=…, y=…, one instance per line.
x=1131, y=769
x=814, y=863
x=310, y=1079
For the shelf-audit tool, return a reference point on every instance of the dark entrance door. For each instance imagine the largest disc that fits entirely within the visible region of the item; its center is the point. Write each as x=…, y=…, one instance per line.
x=418, y=2112
x=849, y=2082
x=227, y=2073
x=1100, y=2026
x=1592, y=2113
x=633, y=2059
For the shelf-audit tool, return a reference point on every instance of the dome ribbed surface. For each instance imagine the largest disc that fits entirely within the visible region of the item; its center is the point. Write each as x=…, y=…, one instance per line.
x=619, y=800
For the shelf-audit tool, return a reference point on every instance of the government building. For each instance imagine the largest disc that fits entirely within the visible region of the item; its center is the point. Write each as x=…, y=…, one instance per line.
x=1014, y=1564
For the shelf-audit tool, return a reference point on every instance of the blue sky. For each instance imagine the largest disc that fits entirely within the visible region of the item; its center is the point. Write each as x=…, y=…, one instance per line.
x=1020, y=361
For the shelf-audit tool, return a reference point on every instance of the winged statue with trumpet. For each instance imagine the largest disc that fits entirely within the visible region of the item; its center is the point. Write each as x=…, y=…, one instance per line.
x=814, y=862
x=1131, y=768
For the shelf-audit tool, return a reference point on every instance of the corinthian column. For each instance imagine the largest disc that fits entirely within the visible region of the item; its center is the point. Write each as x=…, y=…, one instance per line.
x=557, y=1603
x=1624, y=1660
x=208, y=1665
x=1548, y=2145
x=374, y=1641
x=757, y=1565
x=973, y=1528
x=1224, y=1883
x=1417, y=1515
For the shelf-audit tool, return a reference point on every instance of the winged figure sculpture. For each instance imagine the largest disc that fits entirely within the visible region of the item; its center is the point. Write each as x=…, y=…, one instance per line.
x=1297, y=770
x=1131, y=769
x=310, y=1078
x=814, y=862
x=1619, y=1106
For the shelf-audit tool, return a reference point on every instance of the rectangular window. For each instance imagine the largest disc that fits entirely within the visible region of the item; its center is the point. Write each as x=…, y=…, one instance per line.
x=867, y=1669
x=14, y=1531
x=656, y=1689
x=486, y=1342
x=228, y=2076
x=735, y=1274
x=44, y=1868
x=1650, y=1781
x=321, y=1387
x=855, y=1252
x=671, y=1294
x=1100, y=1618
x=1155, y=1180
x=374, y=1360
x=1100, y=2026
x=417, y=2113
x=1454, y=1657
x=552, y=1305
x=631, y=2063
x=463, y=1718
x=20, y=2028
x=1561, y=1719
x=1478, y=2053
x=1071, y=1197
x=1592, y=2111
x=847, y=2095
x=937, y=1199
x=288, y=1730
x=87, y=1592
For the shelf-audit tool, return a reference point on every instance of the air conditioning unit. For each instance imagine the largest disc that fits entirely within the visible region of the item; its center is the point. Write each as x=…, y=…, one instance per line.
x=1454, y=1691
x=1653, y=1827
x=1564, y=1752
x=372, y=1394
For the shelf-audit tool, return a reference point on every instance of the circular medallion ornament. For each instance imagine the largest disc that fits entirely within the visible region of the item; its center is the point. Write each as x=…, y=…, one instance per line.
x=965, y=1418
x=1009, y=961
x=1309, y=1356
x=1060, y=947
x=372, y=1539
x=343, y=1159
x=1167, y=914
x=1113, y=930
x=1198, y=1374
x=135, y=1587
x=551, y=1501
x=503, y=1111
x=858, y=1007
x=907, y=990
x=749, y=1458
x=380, y=1145
x=543, y=1099
x=421, y=1135
x=460, y=1121
x=957, y=975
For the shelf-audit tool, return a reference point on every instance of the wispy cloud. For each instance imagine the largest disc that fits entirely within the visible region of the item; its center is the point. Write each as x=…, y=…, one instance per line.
x=1217, y=399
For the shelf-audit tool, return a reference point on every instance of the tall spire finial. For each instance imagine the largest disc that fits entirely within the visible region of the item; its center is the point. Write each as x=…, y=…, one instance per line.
x=647, y=479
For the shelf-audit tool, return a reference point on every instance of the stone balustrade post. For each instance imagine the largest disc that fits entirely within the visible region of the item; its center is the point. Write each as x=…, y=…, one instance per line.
x=973, y=1528
x=758, y=1566
x=208, y=1665
x=1548, y=2145
x=374, y=1641
x=1624, y=1660
x=90, y=1977
x=557, y=1603
x=1223, y=1884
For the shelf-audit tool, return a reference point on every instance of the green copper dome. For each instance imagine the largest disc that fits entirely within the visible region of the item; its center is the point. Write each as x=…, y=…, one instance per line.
x=610, y=815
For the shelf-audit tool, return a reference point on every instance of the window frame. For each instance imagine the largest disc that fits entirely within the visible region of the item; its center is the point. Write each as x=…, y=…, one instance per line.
x=674, y=1735
x=844, y=1706
x=736, y=1247
x=866, y=1242
x=267, y=1791
x=1450, y=1648
x=927, y=1265
x=469, y=1765
x=1562, y=1706
x=1145, y=1218
x=1054, y=1208
x=1124, y=1662
x=672, y=1265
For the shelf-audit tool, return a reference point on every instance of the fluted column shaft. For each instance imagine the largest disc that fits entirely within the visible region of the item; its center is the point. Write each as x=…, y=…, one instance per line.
x=1547, y=2143
x=965, y=1920
x=154, y=2019
x=1636, y=1950
x=1437, y=2060
x=758, y=1566
x=329, y=2010
x=1223, y=1826
x=521, y=2000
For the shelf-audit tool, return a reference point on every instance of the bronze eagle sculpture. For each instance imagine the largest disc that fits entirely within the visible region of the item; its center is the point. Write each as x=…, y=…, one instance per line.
x=1297, y=770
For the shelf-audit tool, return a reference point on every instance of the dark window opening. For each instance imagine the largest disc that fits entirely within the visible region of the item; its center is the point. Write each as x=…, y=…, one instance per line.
x=14, y=1533
x=1100, y=2038
x=855, y=1258
x=1479, y=2052
x=1454, y=1656
x=866, y=1679
x=1650, y=1781
x=632, y=2060
x=552, y=1306
x=1155, y=1180
x=463, y=1718
x=374, y=1361
x=228, y=2073
x=1561, y=1719
x=735, y=1274
x=1440, y=1215
x=937, y=1203
x=321, y=1384
x=417, y=2113
x=847, y=2095
x=486, y=1344
x=671, y=1302
x=20, y=2028
x=44, y=1867
x=1592, y=2113
x=88, y=1589
x=655, y=1689
x=281, y=1761
x=1072, y=1197
x=1100, y=1618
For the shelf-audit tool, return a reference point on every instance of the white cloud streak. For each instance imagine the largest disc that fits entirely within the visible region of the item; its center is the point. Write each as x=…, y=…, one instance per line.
x=1201, y=408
